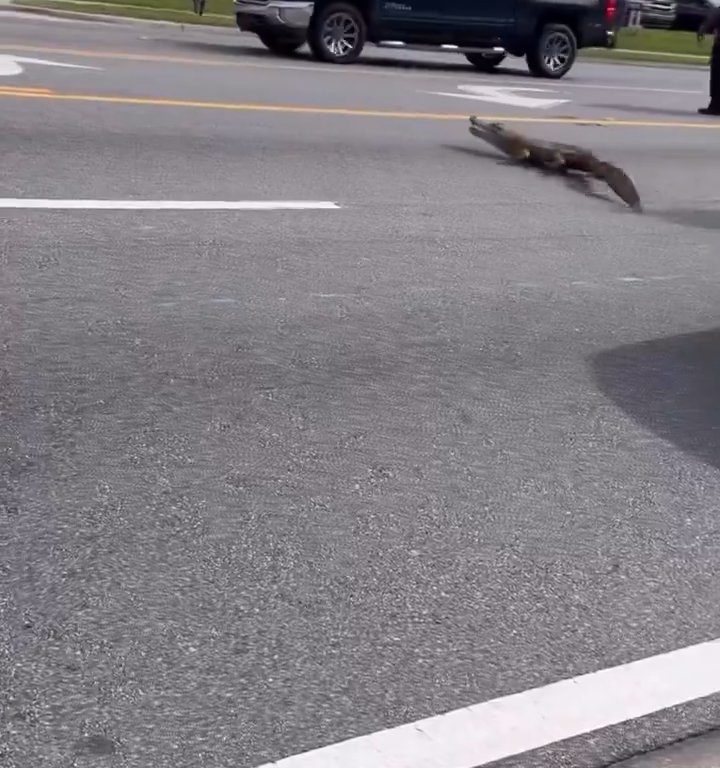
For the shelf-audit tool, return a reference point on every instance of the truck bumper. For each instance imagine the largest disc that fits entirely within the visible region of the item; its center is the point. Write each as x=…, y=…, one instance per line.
x=598, y=36
x=253, y=15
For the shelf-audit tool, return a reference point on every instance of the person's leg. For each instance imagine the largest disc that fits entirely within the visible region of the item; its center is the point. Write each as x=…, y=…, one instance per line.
x=714, y=107
x=715, y=77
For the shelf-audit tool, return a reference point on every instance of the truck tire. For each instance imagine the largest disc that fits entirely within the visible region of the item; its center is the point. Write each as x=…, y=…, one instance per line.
x=337, y=33
x=282, y=45
x=553, y=52
x=485, y=62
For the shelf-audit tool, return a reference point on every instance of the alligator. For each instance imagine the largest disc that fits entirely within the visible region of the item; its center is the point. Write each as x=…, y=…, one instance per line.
x=557, y=157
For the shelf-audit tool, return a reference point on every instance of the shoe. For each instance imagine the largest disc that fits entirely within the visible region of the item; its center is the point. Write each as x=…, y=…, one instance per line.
x=709, y=111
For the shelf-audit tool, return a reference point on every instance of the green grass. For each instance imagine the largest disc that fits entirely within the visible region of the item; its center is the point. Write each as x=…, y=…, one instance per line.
x=659, y=46
x=655, y=46
x=664, y=41
x=217, y=12
x=223, y=7
x=640, y=45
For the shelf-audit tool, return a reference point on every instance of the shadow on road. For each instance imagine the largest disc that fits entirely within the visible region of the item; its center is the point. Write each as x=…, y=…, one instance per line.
x=697, y=218
x=670, y=386
x=457, y=64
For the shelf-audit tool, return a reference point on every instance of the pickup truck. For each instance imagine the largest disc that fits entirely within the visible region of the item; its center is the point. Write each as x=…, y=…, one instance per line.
x=548, y=33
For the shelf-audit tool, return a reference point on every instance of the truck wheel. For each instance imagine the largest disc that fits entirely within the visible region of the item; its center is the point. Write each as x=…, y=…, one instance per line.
x=553, y=52
x=485, y=62
x=337, y=33
x=282, y=45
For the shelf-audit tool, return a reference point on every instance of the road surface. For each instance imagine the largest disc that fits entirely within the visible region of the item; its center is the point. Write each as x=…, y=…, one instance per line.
x=275, y=479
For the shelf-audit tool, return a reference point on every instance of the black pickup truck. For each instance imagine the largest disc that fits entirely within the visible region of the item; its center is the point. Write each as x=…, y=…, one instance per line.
x=548, y=33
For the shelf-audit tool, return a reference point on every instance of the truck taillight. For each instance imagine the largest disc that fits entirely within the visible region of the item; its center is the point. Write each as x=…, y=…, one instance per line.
x=611, y=9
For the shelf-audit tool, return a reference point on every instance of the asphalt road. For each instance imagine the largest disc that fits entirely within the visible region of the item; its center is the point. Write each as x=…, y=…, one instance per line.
x=276, y=479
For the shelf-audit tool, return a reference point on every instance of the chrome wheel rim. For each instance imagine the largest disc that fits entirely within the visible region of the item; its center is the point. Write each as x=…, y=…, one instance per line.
x=340, y=34
x=557, y=52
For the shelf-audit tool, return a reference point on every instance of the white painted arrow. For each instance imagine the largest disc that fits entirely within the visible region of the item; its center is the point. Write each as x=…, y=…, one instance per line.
x=12, y=65
x=503, y=95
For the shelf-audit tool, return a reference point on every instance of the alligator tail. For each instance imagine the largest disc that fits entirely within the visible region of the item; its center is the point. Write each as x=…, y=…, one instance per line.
x=620, y=183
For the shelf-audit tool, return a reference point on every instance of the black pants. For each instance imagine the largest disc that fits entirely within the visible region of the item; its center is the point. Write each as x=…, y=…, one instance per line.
x=715, y=76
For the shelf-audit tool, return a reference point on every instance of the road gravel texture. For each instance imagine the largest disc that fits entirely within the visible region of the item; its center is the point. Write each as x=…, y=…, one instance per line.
x=275, y=479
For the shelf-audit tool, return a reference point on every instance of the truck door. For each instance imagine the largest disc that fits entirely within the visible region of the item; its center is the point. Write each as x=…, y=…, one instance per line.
x=481, y=18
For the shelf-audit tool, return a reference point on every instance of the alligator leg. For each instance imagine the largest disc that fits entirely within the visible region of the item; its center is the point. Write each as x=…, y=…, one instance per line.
x=517, y=152
x=556, y=162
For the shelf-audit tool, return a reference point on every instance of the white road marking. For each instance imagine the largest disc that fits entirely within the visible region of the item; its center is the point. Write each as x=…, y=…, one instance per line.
x=503, y=95
x=11, y=65
x=169, y=205
x=665, y=277
x=515, y=724
x=635, y=88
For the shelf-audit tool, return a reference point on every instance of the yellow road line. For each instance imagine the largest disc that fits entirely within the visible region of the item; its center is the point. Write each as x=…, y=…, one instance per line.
x=347, y=112
x=10, y=89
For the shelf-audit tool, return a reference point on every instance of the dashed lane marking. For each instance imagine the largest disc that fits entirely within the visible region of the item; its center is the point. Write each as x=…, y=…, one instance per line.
x=348, y=112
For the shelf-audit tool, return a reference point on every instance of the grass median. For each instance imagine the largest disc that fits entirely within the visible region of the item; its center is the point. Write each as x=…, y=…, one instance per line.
x=218, y=13
x=659, y=46
x=656, y=46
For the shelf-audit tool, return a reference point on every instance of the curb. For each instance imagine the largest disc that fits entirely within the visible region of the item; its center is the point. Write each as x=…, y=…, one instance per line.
x=695, y=752
x=589, y=58
x=632, y=51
